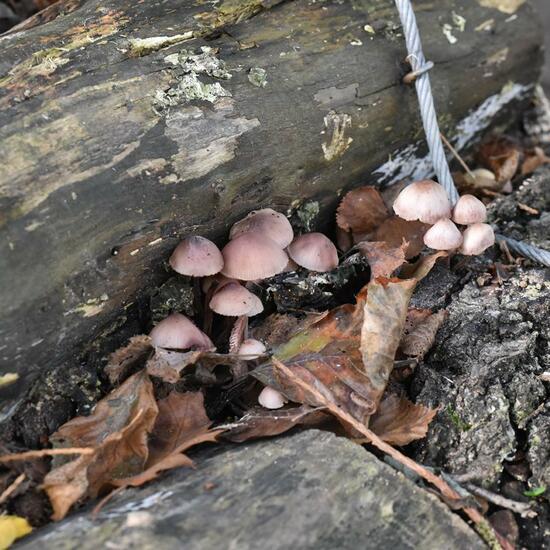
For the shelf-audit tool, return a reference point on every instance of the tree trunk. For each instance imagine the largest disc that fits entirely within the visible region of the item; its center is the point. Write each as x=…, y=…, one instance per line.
x=125, y=125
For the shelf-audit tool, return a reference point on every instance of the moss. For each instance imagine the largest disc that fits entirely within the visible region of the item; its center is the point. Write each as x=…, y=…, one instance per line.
x=176, y=294
x=229, y=12
x=257, y=77
x=488, y=535
x=457, y=420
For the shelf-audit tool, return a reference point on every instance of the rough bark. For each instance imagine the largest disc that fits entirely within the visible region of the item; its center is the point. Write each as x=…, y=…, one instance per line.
x=125, y=125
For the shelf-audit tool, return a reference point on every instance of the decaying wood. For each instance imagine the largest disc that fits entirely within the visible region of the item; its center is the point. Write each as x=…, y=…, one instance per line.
x=125, y=125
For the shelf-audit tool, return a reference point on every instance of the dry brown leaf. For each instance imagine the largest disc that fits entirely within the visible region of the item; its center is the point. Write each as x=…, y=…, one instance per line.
x=394, y=230
x=118, y=430
x=420, y=330
x=383, y=259
x=533, y=159
x=362, y=210
x=168, y=365
x=384, y=318
x=173, y=460
x=261, y=422
x=124, y=359
x=180, y=415
x=501, y=156
x=398, y=421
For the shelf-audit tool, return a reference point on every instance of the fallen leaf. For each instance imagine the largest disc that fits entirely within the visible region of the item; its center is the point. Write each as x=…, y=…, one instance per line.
x=533, y=159
x=362, y=210
x=398, y=421
x=124, y=359
x=173, y=460
x=261, y=422
x=383, y=259
x=394, y=230
x=180, y=415
x=11, y=529
x=420, y=330
x=501, y=156
x=118, y=429
x=278, y=328
x=384, y=317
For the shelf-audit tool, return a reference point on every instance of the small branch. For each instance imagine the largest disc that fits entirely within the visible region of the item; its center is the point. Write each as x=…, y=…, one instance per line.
x=11, y=489
x=521, y=508
x=456, y=155
x=47, y=452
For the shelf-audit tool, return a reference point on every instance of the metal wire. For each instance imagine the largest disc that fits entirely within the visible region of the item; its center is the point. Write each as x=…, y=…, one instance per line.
x=420, y=68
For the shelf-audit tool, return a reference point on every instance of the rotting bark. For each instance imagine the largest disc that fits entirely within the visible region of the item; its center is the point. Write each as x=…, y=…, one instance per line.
x=125, y=125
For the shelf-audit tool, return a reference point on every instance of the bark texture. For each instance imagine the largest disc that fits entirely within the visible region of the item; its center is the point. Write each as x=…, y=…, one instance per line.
x=126, y=125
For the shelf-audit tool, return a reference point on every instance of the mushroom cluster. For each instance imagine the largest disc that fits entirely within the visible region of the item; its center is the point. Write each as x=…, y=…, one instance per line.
x=260, y=246
x=427, y=201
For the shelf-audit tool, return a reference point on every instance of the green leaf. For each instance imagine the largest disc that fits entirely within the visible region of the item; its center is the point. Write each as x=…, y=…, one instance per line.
x=535, y=492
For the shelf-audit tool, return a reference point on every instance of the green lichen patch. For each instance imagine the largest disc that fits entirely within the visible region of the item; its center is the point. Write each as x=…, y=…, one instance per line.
x=257, y=77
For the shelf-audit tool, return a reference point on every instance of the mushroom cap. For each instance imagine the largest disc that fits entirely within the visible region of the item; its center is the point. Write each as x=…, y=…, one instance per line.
x=179, y=332
x=234, y=300
x=271, y=399
x=314, y=251
x=251, y=349
x=469, y=209
x=424, y=200
x=251, y=256
x=444, y=235
x=196, y=257
x=266, y=222
x=476, y=238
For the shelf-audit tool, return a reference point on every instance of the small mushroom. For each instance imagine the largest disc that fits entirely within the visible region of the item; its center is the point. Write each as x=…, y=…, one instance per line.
x=477, y=238
x=251, y=349
x=251, y=256
x=234, y=300
x=271, y=399
x=179, y=332
x=196, y=257
x=424, y=200
x=314, y=251
x=444, y=235
x=469, y=209
x=266, y=222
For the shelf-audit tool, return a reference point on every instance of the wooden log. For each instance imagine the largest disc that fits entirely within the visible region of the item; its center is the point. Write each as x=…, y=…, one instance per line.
x=125, y=125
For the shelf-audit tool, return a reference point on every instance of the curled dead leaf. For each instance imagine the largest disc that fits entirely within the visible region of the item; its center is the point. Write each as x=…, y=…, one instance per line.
x=533, y=159
x=501, y=156
x=125, y=358
x=362, y=210
x=398, y=421
x=383, y=259
x=395, y=230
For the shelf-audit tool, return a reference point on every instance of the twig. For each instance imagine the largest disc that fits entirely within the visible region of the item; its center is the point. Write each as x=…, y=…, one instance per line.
x=11, y=489
x=528, y=209
x=507, y=253
x=47, y=452
x=522, y=508
x=483, y=526
x=457, y=156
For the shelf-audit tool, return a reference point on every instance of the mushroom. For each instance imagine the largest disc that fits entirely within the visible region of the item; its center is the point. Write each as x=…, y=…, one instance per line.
x=251, y=349
x=179, y=332
x=482, y=179
x=196, y=257
x=444, y=235
x=234, y=300
x=314, y=251
x=469, y=209
x=476, y=238
x=251, y=256
x=271, y=399
x=424, y=200
x=266, y=222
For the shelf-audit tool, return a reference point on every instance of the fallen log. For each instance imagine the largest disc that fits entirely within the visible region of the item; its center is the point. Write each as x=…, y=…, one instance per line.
x=125, y=125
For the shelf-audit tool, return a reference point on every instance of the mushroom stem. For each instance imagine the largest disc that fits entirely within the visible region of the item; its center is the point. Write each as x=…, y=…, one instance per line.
x=238, y=333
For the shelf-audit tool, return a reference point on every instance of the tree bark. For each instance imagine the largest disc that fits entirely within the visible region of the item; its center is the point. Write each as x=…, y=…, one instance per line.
x=126, y=125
